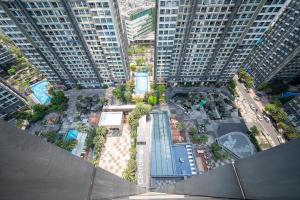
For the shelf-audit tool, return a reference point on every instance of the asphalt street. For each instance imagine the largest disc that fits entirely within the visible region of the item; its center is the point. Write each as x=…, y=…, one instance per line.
x=267, y=127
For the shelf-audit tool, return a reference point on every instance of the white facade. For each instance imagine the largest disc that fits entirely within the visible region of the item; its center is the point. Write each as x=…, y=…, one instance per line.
x=138, y=23
x=207, y=41
x=70, y=42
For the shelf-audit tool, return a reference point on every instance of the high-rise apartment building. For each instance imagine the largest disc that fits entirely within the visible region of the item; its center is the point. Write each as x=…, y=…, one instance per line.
x=138, y=23
x=292, y=108
x=277, y=53
x=206, y=41
x=10, y=101
x=71, y=42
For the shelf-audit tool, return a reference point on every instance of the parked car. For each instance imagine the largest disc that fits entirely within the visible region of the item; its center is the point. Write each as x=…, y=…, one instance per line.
x=259, y=117
x=281, y=140
x=266, y=118
x=252, y=106
x=256, y=98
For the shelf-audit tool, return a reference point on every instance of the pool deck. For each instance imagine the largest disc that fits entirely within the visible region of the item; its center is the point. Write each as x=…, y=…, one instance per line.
x=80, y=145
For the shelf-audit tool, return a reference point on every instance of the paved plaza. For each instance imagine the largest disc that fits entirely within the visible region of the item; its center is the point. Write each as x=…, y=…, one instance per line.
x=116, y=154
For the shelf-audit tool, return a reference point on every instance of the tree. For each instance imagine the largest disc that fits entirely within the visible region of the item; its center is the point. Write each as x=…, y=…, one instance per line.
x=129, y=172
x=51, y=136
x=193, y=131
x=149, y=68
x=254, y=130
x=78, y=87
x=133, y=67
x=161, y=89
x=242, y=73
x=119, y=92
x=232, y=87
x=128, y=96
x=249, y=82
x=12, y=70
x=277, y=113
x=99, y=140
x=200, y=138
x=288, y=130
x=38, y=112
x=152, y=100
x=58, y=98
x=217, y=152
x=104, y=86
x=91, y=133
x=25, y=115
x=181, y=126
x=140, y=61
x=5, y=40
x=81, y=127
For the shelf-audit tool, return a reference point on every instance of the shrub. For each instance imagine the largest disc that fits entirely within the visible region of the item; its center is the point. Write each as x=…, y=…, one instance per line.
x=193, y=130
x=200, y=138
x=254, y=130
x=152, y=100
x=12, y=70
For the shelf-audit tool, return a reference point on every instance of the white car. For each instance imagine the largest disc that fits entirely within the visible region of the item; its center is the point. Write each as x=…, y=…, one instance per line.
x=252, y=106
x=259, y=117
x=266, y=118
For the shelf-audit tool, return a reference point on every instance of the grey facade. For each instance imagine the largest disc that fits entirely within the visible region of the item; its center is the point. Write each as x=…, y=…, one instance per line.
x=292, y=108
x=277, y=53
x=70, y=42
x=10, y=101
x=204, y=41
x=34, y=169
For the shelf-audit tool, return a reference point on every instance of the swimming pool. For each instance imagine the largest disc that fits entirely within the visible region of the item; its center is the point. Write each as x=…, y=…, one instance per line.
x=141, y=83
x=71, y=135
x=40, y=92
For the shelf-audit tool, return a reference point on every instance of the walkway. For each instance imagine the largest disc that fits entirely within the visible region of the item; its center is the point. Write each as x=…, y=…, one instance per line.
x=116, y=153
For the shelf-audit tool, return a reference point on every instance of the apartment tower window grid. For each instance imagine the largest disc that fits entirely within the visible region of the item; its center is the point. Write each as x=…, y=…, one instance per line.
x=70, y=42
x=207, y=41
x=277, y=54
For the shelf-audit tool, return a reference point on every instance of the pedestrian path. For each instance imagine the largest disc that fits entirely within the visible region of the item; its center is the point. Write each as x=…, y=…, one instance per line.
x=116, y=153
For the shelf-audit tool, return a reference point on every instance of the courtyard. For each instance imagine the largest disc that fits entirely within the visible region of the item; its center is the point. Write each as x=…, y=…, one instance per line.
x=116, y=153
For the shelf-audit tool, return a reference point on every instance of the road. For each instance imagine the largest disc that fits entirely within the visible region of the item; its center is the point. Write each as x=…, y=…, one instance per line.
x=267, y=127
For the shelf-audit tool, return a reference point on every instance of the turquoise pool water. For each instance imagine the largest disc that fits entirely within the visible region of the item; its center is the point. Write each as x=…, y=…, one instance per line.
x=141, y=83
x=40, y=92
x=71, y=135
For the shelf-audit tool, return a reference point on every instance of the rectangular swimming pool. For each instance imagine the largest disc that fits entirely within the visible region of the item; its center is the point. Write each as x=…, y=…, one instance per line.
x=141, y=83
x=71, y=135
x=40, y=92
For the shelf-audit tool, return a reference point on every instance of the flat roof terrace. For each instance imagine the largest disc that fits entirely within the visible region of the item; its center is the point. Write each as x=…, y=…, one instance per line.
x=161, y=152
x=168, y=160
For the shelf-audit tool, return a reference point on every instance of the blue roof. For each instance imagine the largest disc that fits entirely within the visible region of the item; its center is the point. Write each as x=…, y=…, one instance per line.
x=161, y=152
x=169, y=160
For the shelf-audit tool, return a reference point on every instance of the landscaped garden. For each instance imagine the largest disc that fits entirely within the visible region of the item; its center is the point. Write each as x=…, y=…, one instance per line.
x=21, y=74
x=133, y=119
x=87, y=104
x=216, y=106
